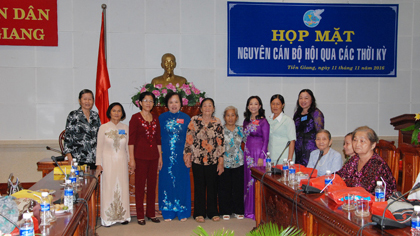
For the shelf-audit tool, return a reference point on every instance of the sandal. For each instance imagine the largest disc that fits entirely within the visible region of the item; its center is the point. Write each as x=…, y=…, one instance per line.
x=199, y=219
x=215, y=218
x=239, y=217
x=226, y=217
x=168, y=220
x=183, y=219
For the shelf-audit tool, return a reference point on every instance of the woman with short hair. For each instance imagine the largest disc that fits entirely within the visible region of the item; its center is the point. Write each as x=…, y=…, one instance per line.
x=174, y=178
x=204, y=149
x=282, y=131
x=145, y=148
x=81, y=131
x=366, y=167
x=231, y=181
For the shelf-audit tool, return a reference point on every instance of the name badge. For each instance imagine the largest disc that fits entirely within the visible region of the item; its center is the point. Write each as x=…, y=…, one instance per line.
x=303, y=118
x=180, y=121
x=121, y=131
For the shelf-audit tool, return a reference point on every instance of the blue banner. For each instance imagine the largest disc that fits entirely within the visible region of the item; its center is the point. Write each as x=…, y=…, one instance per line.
x=296, y=39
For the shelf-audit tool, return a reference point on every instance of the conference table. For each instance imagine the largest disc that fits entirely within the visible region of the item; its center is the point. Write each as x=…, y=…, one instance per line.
x=77, y=222
x=315, y=214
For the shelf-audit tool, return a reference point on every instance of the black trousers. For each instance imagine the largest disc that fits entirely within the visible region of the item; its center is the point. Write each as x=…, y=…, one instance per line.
x=231, y=191
x=205, y=178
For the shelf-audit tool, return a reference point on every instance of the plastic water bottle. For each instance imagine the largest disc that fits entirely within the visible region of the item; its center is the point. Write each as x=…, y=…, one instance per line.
x=76, y=172
x=73, y=178
x=328, y=180
x=45, y=209
x=292, y=172
x=415, y=221
x=285, y=169
x=268, y=162
x=27, y=226
x=379, y=192
x=68, y=195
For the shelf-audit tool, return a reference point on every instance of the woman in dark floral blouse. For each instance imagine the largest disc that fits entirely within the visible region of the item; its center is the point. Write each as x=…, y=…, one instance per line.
x=308, y=121
x=81, y=131
x=367, y=167
x=204, y=149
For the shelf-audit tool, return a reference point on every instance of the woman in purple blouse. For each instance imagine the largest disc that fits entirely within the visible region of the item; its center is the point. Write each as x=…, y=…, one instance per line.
x=308, y=121
x=367, y=167
x=257, y=132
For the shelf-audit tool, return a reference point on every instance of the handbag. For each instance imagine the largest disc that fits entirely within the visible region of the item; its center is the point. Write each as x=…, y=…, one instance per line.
x=13, y=187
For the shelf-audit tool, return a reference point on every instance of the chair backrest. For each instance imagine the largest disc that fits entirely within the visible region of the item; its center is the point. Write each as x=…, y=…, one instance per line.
x=61, y=141
x=387, y=150
x=410, y=158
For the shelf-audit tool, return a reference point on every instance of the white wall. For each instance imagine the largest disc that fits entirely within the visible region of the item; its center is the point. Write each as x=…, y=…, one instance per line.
x=40, y=85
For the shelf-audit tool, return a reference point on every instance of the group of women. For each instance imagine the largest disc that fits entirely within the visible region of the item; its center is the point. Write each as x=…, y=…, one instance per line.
x=220, y=155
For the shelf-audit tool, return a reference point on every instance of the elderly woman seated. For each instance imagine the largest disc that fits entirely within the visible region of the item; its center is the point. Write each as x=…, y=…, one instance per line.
x=330, y=160
x=366, y=167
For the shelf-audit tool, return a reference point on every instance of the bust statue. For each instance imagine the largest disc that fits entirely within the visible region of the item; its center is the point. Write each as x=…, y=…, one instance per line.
x=169, y=64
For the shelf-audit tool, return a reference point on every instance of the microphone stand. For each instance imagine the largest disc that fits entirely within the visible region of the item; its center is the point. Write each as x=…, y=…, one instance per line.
x=389, y=222
x=277, y=170
x=53, y=158
x=309, y=177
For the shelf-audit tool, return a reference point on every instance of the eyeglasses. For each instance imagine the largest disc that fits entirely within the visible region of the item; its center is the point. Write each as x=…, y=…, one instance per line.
x=149, y=101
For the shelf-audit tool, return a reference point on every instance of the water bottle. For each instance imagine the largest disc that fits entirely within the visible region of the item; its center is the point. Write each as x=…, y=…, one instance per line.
x=76, y=171
x=73, y=178
x=328, y=180
x=379, y=192
x=415, y=221
x=68, y=195
x=292, y=172
x=27, y=226
x=45, y=209
x=285, y=169
x=268, y=162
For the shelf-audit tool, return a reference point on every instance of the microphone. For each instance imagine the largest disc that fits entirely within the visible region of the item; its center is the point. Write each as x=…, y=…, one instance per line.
x=54, y=159
x=310, y=189
x=275, y=170
x=384, y=222
x=55, y=150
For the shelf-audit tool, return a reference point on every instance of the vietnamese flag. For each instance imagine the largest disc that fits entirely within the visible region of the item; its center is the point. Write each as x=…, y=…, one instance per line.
x=102, y=79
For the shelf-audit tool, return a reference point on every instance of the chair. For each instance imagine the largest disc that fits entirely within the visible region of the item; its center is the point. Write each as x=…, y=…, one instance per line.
x=387, y=150
x=61, y=141
x=410, y=158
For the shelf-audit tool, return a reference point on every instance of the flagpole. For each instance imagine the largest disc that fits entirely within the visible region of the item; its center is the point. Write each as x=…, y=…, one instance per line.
x=104, y=12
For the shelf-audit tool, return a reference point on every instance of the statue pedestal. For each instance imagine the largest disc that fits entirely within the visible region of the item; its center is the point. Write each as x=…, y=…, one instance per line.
x=189, y=110
x=401, y=122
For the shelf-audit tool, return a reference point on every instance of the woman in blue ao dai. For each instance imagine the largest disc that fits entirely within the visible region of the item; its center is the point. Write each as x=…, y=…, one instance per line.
x=257, y=132
x=174, y=178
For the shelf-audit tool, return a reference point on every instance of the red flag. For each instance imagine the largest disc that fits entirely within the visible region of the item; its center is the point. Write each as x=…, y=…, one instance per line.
x=102, y=79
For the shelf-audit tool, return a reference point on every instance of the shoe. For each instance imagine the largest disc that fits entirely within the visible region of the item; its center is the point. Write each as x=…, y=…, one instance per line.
x=226, y=217
x=154, y=219
x=141, y=222
x=125, y=223
x=199, y=219
x=168, y=220
x=215, y=218
x=239, y=217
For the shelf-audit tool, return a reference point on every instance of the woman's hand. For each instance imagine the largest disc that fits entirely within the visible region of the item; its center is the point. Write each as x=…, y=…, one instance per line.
x=187, y=160
x=98, y=170
x=131, y=166
x=220, y=168
x=260, y=162
x=160, y=163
